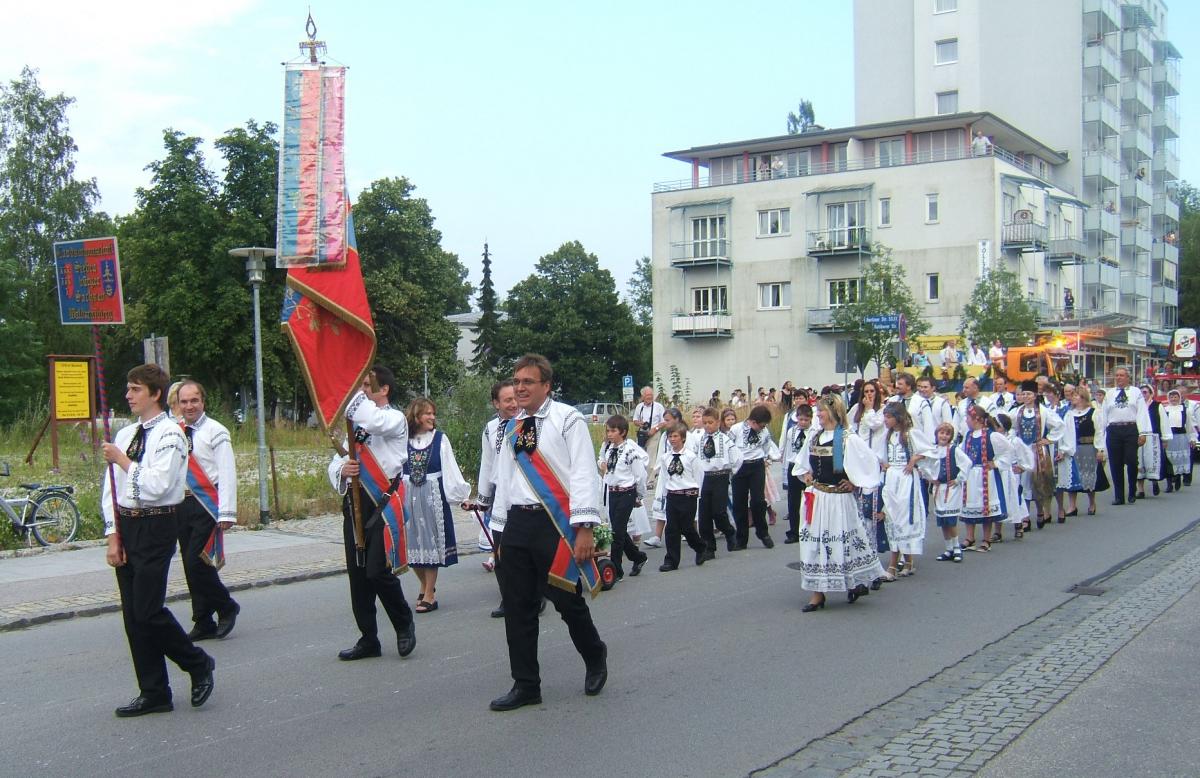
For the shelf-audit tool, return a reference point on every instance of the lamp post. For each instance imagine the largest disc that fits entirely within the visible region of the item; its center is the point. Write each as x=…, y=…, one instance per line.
x=255, y=273
x=425, y=363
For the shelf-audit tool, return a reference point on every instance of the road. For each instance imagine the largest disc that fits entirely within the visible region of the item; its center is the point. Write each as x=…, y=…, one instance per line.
x=714, y=671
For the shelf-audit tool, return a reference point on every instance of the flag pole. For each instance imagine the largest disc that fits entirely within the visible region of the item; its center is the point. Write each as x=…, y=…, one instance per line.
x=100, y=383
x=360, y=542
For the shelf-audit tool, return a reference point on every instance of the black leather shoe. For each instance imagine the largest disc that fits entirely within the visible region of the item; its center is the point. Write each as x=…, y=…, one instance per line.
x=730, y=543
x=666, y=568
x=406, y=641
x=225, y=621
x=701, y=557
x=739, y=547
x=789, y=539
x=358, y=651
x=768, y=542
x=1118, y=502
x=517, y=698
x=542, y=607
x=142, y=705
x=597, y=675
x=812, y=606
x=709, y=554
x=636, y=570
x=498, y=613
x=1133, y=499
x=202, y=684
x=202, y=632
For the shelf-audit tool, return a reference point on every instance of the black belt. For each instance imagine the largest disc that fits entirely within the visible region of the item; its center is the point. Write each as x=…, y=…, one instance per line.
x=1122, y=424
x=753, y=462
x=684, y=492
x=139, y=513
x=537, y=506
x=623, y=489
x=726, y=471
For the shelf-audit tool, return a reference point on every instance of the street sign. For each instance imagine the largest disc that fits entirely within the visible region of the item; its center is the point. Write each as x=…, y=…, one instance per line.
x=884, y=322
x=626, y=394
x=627, y=382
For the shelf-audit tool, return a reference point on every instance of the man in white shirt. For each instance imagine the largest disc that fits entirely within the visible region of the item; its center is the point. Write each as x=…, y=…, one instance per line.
x=977, y=356
x=928, y=408
x=1001, y=400
x=504, y=400
x=970, y=399
x=623, y=466
x=211, y=473
x=140, y=496
x=749, y=482
x=648, y=419
x=1122, y=423
x=996, y=355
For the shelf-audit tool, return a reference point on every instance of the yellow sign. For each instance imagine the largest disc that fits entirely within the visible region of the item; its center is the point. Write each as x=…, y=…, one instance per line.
x=72, y=391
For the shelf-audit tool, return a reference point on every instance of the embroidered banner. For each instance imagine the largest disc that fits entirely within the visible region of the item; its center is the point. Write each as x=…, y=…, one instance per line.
x=395, y=535
x=214, y=550
x=89, y=282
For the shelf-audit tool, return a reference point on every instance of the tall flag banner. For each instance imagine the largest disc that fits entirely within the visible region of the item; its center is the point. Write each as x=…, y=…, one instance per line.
x=327, y=319
x=312, y=228
x=89, y=281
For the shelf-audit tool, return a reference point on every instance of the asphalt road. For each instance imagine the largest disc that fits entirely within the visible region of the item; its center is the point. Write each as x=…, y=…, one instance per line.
x=713, y=671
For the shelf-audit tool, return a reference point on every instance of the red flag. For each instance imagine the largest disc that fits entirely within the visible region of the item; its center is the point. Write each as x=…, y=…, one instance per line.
x=327, y=318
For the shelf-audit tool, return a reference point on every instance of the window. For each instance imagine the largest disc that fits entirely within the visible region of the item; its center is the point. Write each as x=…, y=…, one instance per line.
x=846, y=223
x=945, y=51
x=724, y=170
x=839, y=155
x=797, y=163
x=843, y=291
x=710, y=299
x=939, y=145
x=708, y=237
x=944, y=6
x=885, y=212
x=933, y=287
x=776, y=295
x=889, y=151
x=931, y=209
x=776, y=221
x=947, y=102
x=1031, y=288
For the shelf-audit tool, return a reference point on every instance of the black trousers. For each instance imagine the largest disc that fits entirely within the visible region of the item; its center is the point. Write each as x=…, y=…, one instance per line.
x=681, y=521
x=795, y=494
x=620, y=505
x=374, y=580
x=1122, y=443
x=749, y=487
x=529, y=544
x=209, y=595
x=714, y=509
x=153, y=633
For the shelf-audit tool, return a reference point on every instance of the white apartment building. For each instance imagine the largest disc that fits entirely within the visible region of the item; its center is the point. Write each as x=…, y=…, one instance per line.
x=753, y=252
x=1096, y=80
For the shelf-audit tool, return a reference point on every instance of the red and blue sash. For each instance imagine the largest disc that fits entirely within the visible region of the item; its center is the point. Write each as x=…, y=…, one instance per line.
x=370, y=474
x=199, y=484
x=565, y=572
x=395, y=538
x=213, y=552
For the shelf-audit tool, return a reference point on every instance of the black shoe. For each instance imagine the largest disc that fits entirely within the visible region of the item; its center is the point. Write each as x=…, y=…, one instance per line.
x=359, y=651
x=636, y=570
x=202, y=683
x=141, y=705
x=789, y=539
x=709, y=554
x=225, y=621
x=1118, y=502
x=877, y=584
x=701, y=557
x=1133, y=498
x=203, y=632
x=812, y=606
x=597, y=674
x=516, y=698
x=1153, y=488
x=731, y=543
x=666, y=568
x=406, y=641
x=498, y=613
x=739, y=547
x=766, y=541
x=852, y=595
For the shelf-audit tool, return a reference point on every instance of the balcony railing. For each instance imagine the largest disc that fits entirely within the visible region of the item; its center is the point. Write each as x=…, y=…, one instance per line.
x=1164, y=295
x=1137, y=189
x=1166, y=118
x=1136, y=46
x=1066, y=251
x=1165, y=207
x=1105, y=59
x=838, y=240
x=1162, y=250
x=1102, y=274
x=702, y=325
x=740, y=176
x=1102, y=165
x=1166, y=77
x=1104, y=114
x=1166, y=162
x=1136, y=237
x=1135, y=286
x=1137, y=96
x=1023, y=236
x=821, y=320
x=1136, y=142
x=1106, y=222
x=701, y=253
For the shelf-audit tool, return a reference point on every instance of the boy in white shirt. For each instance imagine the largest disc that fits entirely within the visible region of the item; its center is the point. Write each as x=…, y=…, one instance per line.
x=681, y=474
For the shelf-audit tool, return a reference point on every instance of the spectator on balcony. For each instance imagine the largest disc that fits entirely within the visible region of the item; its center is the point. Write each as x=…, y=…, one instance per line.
x=777, y=170
x=764, y=170
x=1140, y=175
x=977, y=356
x=981, y=146
x=950, y=356
x=1109, y=207
x=1068, y=303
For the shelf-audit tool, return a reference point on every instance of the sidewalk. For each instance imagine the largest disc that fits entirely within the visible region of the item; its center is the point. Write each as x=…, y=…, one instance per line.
x=62, y=584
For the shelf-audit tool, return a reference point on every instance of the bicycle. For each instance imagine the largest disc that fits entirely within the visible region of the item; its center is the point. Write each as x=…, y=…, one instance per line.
x=47, y=511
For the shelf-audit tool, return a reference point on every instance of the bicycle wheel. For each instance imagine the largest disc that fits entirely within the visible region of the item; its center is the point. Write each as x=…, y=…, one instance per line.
x=55, y=518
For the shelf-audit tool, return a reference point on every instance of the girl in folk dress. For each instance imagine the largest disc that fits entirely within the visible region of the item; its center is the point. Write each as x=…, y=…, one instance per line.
x=943, y=473
x=903, y=494
x=1151, y=464
x=983, y=455
x=866, y=421
x=1183, y=436
x=432, y=483
x=1021, y=461
x=1084, y=472
x=1039, y=428
x=835, y=553
x=1064, y=460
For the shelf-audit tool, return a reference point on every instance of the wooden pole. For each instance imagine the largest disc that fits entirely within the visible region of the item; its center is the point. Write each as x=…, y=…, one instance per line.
x=360, y=543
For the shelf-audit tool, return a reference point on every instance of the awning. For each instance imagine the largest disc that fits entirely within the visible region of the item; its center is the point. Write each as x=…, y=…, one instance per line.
x=1166, y=50
x=831, y=189
x=1026, y=181
x=1068, y=200
x=1133, y=15
x=695, y=203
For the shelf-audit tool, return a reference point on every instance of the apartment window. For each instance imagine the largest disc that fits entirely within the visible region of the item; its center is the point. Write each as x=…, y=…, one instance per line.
x=710, y=299
x=775, y=295
x=839, y=155
x=843, y=291
x=947, y=102
x=1031, y=288
x=708, y=237
x=933, y=287
x=940, y=145
x=889, y=151
x=724, y=170
x=776, y=221
x=885, y=212
x=931, y=209
x=797, y=163
x=846, y=223
x=944, y=6
x=945, y=52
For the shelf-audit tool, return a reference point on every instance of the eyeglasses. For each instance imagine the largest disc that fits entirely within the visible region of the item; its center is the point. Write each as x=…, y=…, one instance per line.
x=526, y=382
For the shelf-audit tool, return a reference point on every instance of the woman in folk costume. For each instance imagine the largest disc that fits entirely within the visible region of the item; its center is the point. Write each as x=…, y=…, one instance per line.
x=1040, y=429
x=1063, y=454
x=835, y=552
x=1152, y=464
x=432, y=483
x=1084, y=472
x=1183, y=436
x=945, y=476
x=1021, y=460
x=903, y=493
x=866, y=421
x=984, y=455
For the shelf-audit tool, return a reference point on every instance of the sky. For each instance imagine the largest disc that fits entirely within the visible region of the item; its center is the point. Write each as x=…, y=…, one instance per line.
x=525, y=124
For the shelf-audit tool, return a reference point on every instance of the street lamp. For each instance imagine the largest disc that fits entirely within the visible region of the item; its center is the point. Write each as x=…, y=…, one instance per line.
x=255, y=273
x=425, y=363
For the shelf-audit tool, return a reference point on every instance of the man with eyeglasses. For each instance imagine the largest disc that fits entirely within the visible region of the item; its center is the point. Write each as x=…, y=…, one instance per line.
x=1122, y=424
x=548, y=497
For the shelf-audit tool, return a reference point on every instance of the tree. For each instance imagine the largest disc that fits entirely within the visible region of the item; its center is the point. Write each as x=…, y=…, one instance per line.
x=21, y=360
x=1189, y=255
x=802, y=120
x=412, y=284
x=882, y=290
x=569, y=311
x=641, y=292
x=487, y=330
x=998, y=311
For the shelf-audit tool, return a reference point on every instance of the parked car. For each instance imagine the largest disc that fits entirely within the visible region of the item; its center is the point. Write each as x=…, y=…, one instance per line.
x=598, y=413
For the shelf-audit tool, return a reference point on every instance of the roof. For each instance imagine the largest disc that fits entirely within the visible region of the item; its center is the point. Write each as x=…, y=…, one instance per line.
x=471, y=318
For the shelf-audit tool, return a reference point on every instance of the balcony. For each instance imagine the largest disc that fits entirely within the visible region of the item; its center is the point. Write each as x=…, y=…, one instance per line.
x=839, y=241
x=1110, y=10
x=1104, y=60
x=1164, y=295
x=700, y=253
x=1136, y=48
x=1137, y=189
x=1136, y=143
x=1136, y=97
x=1102, y=166
x=1166, y=164
x=1165, y=122
x=1066, y=251
x=1135, y=286
x=1025, y=237
x=1104, y=114
x=821, y=320
x=1102, y=274
x=702, y=325
x=1166, y=77
x=1097, y=219
x=1135, y=237
x=1165, y=207
x=1163, y=251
